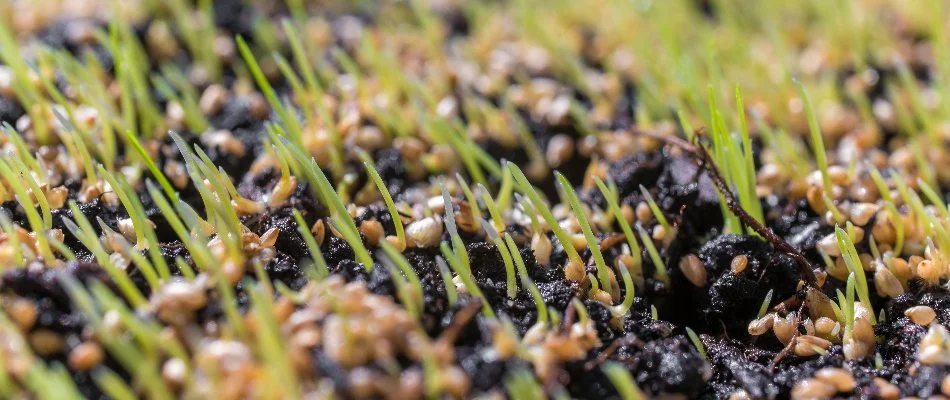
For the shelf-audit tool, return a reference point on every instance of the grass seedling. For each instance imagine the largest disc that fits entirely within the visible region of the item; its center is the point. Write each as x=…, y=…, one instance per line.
x=539, y=205
x=469, y=197
x=735, y=161
x=765, y=304
x=25, y=200
x=610, y=194
x=321, y=271
x=655, y=209
x=851, y=260
x=112, y=385
x=446, y=273
x=458, y=258
x=817, y=144
x=461, y=270
x=25, y=92
x=522, y=385
x=9, y=229
x=324, y=190
x=914, y=203
x=198, y=37
x=654, y=254
x=195, y=121
x=289, y=119
x=271, y=345
x=540, y=306
x=83, y=230
x=314, y=94
x=150, y=164
x=623, y=308
x=624, y=383
x=506, y=256
x=387, y=198
x=889, y=205
x=698, y=343
x=414, y=300
x=34, y=189
x=498, y=221
x=846, y=307
x=603, y=273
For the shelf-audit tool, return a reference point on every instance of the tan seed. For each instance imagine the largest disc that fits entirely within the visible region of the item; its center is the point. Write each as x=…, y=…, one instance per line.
x=213, y=99
x=269, y=238
x=282, y=191
x=809, y=345
x=601, y=296
x=560, y=149
x=945, y=385
x=863, y=331
x=693, y=269
x=825, y=327
x=574, y=271
x=456, y=382
x=46, y=342
x=319, y=232
x=861, y=213
x=920, y=315
x=840, y=378
x=929, y=271
x=542, y=248
x=809, y=389
x=886, y=283
x=761, y=325
x=643, y=213
x=579, y=241
x=85, y=356
x=739, y=264
x=784, y=328
x=373, y=231
x=886, y=390
x=426, y=232
x=23, y=312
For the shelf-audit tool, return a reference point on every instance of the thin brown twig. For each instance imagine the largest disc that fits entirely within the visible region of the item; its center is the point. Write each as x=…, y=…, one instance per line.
x=705, y=161
x=460, y=320
x=611, y=349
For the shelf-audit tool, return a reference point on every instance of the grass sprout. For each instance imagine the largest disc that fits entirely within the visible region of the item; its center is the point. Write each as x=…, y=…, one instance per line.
x=610, y=194
x=655, y=209
x=511, y=282
x=522, y=385
x=322, y=270
x=850, y=255
x=603, y=273
x=414, y=300
x=765, y=304
x=817, y=144
x=387, y=198
x=446, y=274
x=312, y=172
x=624, y=383
x=545, y=212
x=696, y=342
x=654, y=254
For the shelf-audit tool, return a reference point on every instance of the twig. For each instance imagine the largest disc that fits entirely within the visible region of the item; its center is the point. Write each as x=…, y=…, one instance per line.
x=460, y=320
x=611, y=349
x=705, y=161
